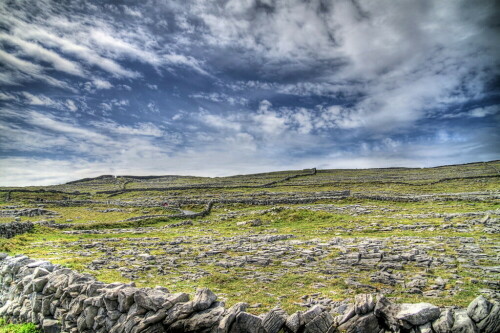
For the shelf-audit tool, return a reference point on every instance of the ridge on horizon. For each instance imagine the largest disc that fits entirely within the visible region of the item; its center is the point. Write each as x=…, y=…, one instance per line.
x=146, y=177
x=275, y=171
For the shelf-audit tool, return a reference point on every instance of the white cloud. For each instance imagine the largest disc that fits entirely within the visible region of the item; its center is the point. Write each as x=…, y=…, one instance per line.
x=244, y=141
x=39, y=100
x=484, y=111
x=404, y=59
x=7, y=97
x=479, y=112
x=82, y=52
x=124, y=87
x=221, y=98
x=106, y=106
x=304, y=121
x=44, y=121
x=146, y=129
x=19, y=64
x=24, y=71
x=71, y=105
x=220, y=122
x=38, y=52
x=152, y=107
x=17, y=138
x=188, y=61
x=119, y=47
x=102, y=84
x=361, y=73
x=231, y=156
x=270, y=123
x=132, y=12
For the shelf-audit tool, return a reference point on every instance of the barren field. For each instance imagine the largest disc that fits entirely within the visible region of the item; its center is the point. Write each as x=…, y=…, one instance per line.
x=292, y=239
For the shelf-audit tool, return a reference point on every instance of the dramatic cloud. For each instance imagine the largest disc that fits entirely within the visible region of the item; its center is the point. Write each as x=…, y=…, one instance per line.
x=226, y=87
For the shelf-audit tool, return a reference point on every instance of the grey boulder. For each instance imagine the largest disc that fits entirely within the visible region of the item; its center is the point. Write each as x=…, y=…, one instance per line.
x=463, y=323
x=274, y=320
x=491, y=324
x=418, y=314
x=479, y=308
x=444, y=323
x=363, y=303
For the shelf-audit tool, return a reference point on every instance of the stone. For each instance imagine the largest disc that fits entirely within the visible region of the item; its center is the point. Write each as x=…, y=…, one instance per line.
x=36, y=301
x=294, y=322
x=426, y=328
x=136, y=310
x=204, y=319
x=363, y=303
x=247, y=323
x=157, y=328
x=131, y=322
x=417, y=282
x=444, y=323
x=81, y=323
x=418, y=314
x=51, y=326
x=203, y=299
x=111, y=305
x=479, y=308
x=365, y=324
x=349, y=324
x=387, y=311
x=90, y=313
x=252, y=223
x=274, y=320
x=39, y=272
x=312, y=313
x=39, y=284
x=125, y=299
x=463, y=323
x=152, y=299
x=491, y=324
x=348, y=314
x=177, y=312
x=174, y=299
x=320, y=324
x=230, y=316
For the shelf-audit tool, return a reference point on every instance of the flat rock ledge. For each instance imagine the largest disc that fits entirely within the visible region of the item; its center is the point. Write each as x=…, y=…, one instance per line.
x=61, y=300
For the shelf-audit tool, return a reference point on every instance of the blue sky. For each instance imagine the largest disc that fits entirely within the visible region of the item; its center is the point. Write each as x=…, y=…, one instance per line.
x=218, y=88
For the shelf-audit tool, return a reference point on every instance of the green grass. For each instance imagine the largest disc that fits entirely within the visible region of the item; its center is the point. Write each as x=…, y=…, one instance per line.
x=5, y=327
x=286, y=285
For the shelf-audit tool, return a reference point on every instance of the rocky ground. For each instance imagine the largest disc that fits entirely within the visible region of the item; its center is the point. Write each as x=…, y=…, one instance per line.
x=59, y=299
x=274, y=239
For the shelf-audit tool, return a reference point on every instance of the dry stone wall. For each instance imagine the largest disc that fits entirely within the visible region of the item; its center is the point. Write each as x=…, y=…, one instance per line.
x=29, y=212
x=11, y=229
x=61, y=300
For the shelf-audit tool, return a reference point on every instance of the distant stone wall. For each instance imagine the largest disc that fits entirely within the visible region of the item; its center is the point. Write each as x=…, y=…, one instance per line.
x=29, y=212
x=9, y=230
x=61, y=300
x=272, y=199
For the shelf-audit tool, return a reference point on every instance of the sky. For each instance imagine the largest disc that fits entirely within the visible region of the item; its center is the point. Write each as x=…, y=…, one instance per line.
x=217, y=88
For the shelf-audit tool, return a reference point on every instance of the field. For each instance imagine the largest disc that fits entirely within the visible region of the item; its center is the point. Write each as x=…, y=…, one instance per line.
x=291, y=238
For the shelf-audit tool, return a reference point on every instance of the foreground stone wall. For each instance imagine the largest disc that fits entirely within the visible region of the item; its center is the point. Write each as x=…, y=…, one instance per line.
x=61, y=300
x=11, y=229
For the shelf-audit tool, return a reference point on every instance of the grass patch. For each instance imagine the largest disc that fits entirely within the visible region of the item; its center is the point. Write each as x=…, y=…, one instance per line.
x=6, y=327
